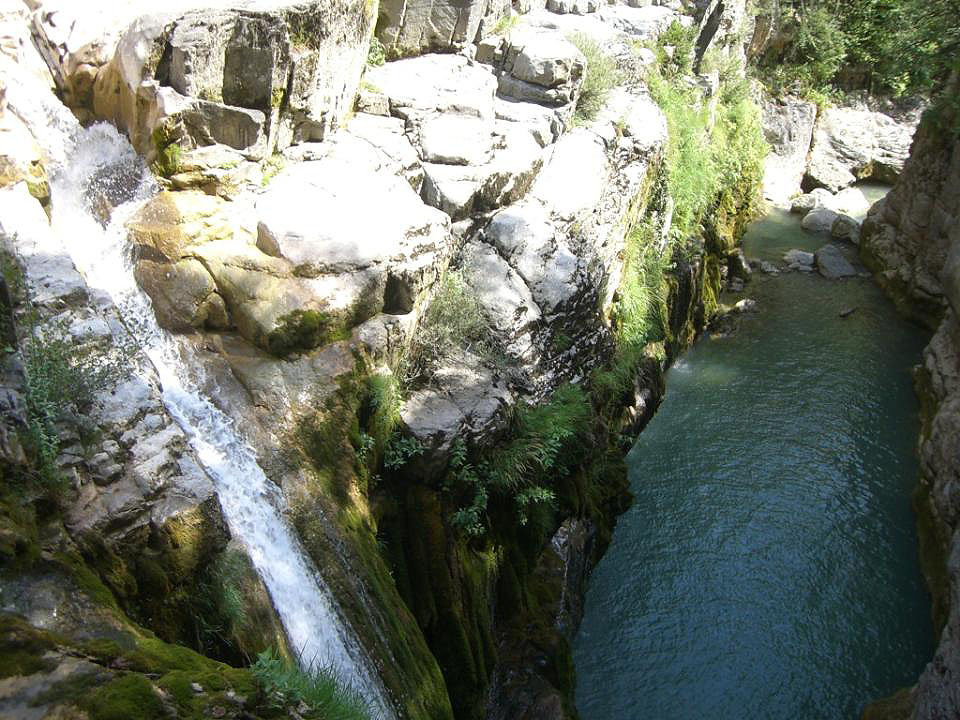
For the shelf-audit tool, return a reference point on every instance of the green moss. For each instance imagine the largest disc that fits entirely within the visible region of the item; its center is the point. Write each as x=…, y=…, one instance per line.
x=70, y=689
x=301, y=330
x=22, y=647
x=130, y=696
x=167, y=152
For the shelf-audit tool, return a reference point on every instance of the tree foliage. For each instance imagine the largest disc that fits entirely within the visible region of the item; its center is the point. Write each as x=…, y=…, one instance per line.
x=888, y=47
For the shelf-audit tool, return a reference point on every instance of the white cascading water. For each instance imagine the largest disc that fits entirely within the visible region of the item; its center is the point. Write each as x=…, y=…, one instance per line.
x=102, y=160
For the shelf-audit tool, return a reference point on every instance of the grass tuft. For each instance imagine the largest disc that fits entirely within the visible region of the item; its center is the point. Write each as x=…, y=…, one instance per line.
x=321, y=691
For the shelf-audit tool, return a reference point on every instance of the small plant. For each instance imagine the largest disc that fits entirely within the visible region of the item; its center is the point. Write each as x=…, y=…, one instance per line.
x=455, y=320
x=377, y=54
x=62, y=375
x=674, y=50
x=400, y=450
x=600, y=77
x=544, y=444
x=507, y=22
x=320, y=693
x=272, y=167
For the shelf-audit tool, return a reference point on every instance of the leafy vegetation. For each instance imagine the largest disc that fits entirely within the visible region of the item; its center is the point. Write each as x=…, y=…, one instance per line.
x=706, y=151
x=62, y=376
x=455, y=320
x=600, y=77
x=640, y=315
x=888, y=47
x=377, y=54
x=542, y=445
x=319, y=693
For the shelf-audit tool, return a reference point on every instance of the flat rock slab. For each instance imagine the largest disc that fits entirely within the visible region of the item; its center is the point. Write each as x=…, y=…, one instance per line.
x=436, y=83
x=832, y=263
x=798, y=257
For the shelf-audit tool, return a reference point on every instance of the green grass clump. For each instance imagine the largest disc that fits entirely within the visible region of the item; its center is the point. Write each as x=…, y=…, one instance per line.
x=704, y=157
x=455, y=320
x=320, y=690
x=507, y=22
x=600, y=77
x=640, y=315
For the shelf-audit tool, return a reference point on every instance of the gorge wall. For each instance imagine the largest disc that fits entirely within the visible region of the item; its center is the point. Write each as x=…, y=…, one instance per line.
x=301, y=247
x=911, y=240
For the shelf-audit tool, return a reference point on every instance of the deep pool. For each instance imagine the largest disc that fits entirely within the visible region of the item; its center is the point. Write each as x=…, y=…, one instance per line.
x=768, y=566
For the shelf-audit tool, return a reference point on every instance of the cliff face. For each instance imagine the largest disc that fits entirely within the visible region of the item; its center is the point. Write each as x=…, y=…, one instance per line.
x=911, y=240
x=461, y=235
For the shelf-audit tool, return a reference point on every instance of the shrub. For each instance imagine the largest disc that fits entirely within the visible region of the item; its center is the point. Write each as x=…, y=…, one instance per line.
x=321, y=691
x=377, y=54
x=544, y=442
x=599, y=78
x=61, y=375
x=455, y=320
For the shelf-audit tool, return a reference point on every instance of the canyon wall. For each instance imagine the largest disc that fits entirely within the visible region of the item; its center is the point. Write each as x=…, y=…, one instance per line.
x=911, y=240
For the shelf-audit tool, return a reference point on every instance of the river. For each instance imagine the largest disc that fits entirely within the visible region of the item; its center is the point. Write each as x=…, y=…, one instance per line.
x=768, y=566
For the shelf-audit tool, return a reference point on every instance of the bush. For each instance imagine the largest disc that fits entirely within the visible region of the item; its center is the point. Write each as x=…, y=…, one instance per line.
x=455, y=320
x=62, y=375
x=600, y=77
x=544, y=444
x=321, y=691
x=377, y=54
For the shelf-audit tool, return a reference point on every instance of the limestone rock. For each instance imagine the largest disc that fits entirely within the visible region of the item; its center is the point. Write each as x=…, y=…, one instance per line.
x=851, y=144
x=819, y=220
x=832, y=263
x=255, y=77
x=537, y=65
x=845, y=228
x=803, y=204
x=788, y=128
x=414, y=27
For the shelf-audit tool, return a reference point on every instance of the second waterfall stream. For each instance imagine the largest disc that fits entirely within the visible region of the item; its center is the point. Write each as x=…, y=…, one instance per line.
x=102, y=161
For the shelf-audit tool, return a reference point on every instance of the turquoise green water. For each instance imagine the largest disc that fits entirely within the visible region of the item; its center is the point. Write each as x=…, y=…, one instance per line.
x=768, y=566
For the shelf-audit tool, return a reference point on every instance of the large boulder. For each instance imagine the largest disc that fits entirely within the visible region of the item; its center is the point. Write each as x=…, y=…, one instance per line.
x=832, y=263
x=851, y=144
x=257, y=77
x=535, y=65
x=819, y=220
x=788, y=128
x=471, y=162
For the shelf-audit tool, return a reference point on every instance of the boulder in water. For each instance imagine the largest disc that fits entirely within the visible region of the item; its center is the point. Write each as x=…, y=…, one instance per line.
x=845, y=228
x=833, y=264
x=819, y=220
x=798, y=257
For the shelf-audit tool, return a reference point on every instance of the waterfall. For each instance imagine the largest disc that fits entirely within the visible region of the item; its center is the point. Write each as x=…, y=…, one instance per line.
x=101, y=161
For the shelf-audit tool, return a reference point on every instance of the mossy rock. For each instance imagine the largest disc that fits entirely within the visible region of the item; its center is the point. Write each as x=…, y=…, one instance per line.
x=302, y=330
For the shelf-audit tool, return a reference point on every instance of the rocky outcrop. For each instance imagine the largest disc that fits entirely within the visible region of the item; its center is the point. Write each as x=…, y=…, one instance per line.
x=851, y=144
x=257, y=77
x=911, y=240
x=788, y=128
